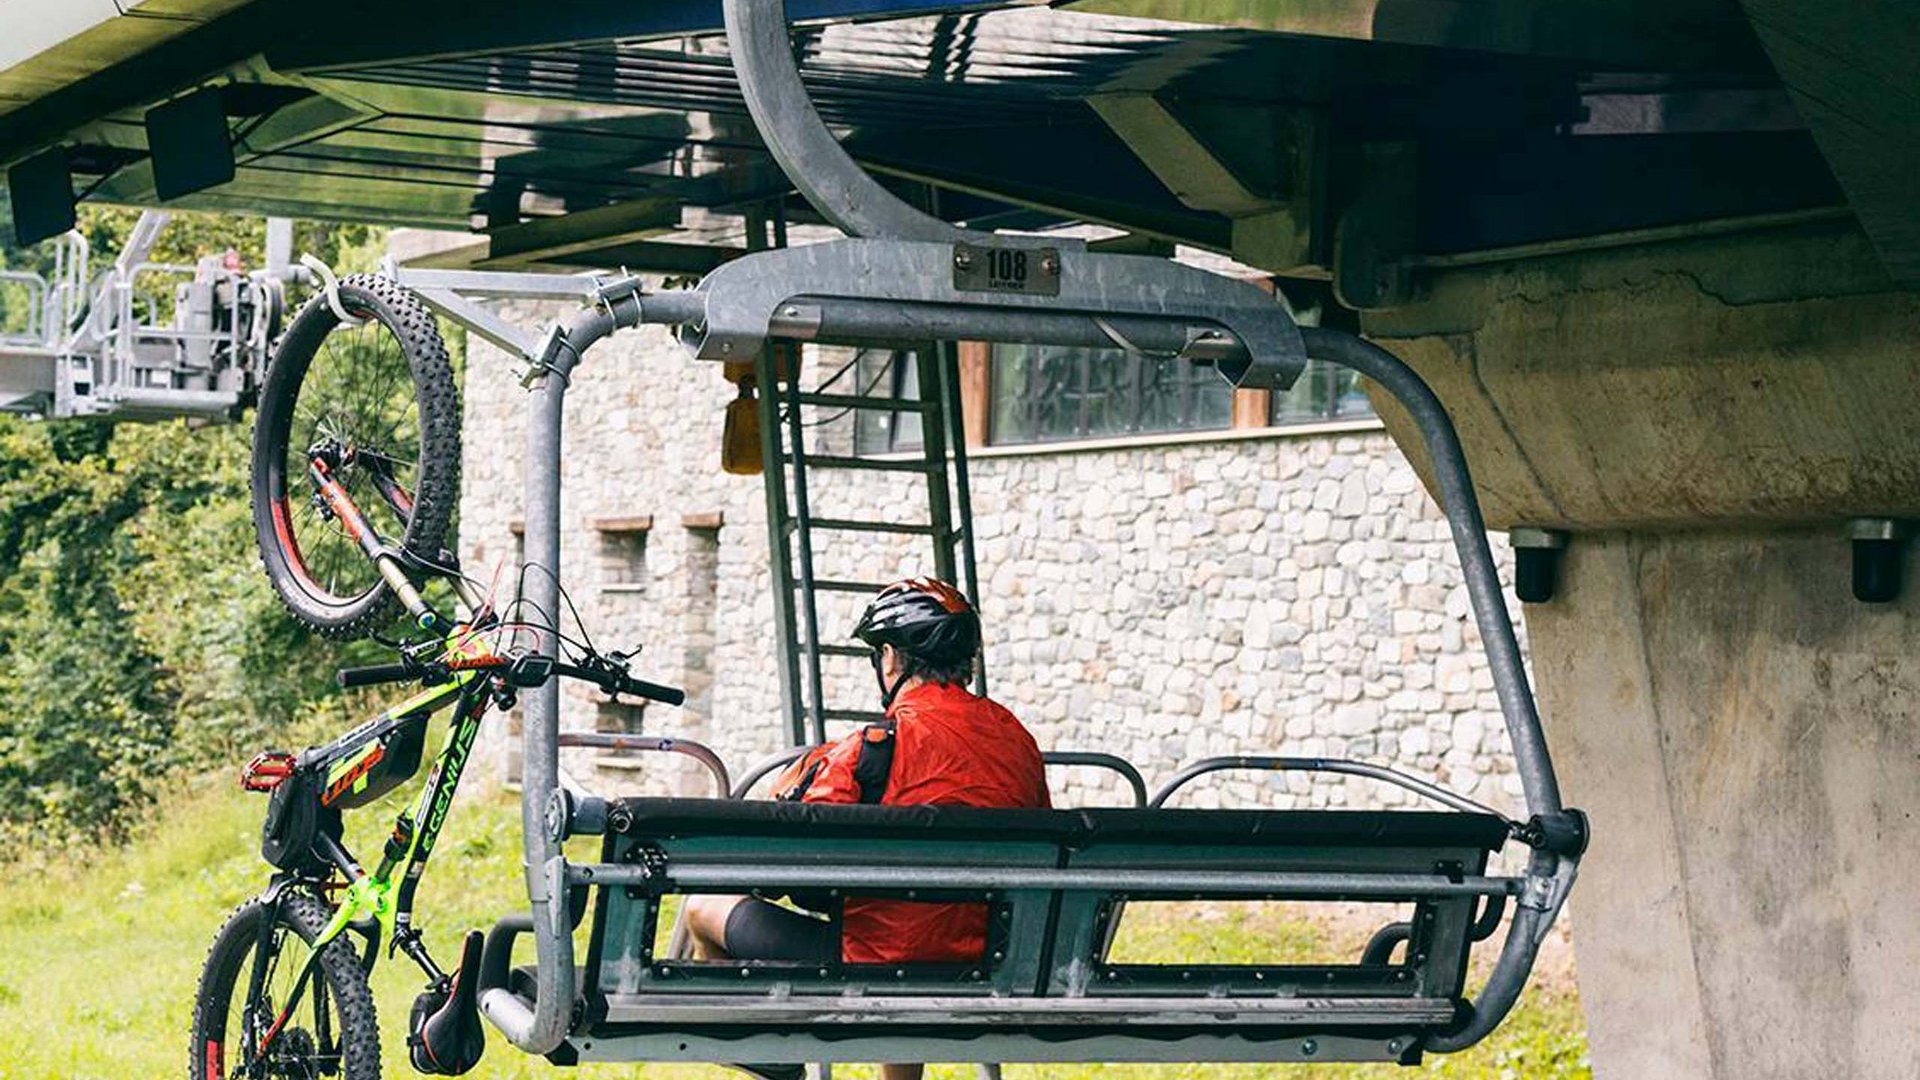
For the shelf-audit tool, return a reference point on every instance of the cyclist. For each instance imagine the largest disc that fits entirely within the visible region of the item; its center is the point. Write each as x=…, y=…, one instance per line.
x=939, y=745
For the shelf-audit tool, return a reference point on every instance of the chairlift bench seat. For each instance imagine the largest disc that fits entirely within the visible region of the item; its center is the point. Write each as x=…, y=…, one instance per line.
x=1055, y=882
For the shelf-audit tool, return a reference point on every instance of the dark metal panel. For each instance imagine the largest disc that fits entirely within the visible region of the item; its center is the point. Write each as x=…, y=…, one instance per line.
x=1479, y=194
x=176, y=64
x=438, y=28
x=1633, y=34
x=1852, y=70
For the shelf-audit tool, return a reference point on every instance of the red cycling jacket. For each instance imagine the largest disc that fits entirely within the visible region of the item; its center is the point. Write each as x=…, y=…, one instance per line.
x=948, y=748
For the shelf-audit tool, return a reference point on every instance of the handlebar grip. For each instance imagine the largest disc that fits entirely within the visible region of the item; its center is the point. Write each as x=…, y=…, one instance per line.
x=348, y=678
x=666, y=695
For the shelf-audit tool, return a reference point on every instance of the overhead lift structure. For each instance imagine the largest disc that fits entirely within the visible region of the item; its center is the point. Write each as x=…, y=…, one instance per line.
x=141, y=340
x=1047, y=988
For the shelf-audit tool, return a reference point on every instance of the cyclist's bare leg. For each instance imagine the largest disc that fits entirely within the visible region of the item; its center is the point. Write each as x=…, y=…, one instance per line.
x=707, y=924
x=707, y=928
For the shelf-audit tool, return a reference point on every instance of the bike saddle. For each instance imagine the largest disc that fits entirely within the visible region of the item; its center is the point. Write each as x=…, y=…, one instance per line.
x=444, y=1036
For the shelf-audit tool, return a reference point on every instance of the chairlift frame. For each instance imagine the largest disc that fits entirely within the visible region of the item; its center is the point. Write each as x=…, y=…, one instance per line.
x=903, y=278
x=93, y=345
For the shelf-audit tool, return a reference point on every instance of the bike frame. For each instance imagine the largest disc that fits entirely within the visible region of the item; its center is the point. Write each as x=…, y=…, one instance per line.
x=380, y=904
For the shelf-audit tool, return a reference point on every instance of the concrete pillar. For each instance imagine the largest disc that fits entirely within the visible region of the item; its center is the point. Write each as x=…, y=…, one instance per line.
x=1744, y=734
x=1704, y=416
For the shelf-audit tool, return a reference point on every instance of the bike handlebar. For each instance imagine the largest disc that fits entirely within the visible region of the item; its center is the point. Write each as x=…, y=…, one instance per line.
x=612, y=681
x=375, y=675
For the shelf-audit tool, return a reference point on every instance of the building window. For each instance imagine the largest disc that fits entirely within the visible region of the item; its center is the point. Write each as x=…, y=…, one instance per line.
x=623, y=553
x=1324, y=392
x=888, y=373
x=1046, y=394
x=621, y=717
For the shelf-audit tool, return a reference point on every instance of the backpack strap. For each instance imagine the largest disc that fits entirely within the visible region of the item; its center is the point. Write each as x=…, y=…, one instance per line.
x=874, y=769
x=799, y=776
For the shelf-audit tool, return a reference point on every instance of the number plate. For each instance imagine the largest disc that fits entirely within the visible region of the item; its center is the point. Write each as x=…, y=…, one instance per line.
x=1029, y=271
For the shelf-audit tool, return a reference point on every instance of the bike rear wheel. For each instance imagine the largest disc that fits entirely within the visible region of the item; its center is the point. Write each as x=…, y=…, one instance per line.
x=373, y=397
x=330, y=1031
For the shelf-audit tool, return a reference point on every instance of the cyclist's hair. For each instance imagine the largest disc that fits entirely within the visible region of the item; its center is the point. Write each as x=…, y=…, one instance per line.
x=946, y=672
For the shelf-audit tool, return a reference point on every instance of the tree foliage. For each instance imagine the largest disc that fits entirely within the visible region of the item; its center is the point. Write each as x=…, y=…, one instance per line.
x=137, y=633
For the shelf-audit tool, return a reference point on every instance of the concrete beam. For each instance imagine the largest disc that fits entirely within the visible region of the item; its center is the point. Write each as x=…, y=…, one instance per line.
x=1765, y=377
x=1704, y=414
x=1851, y=69
x=1271, y=229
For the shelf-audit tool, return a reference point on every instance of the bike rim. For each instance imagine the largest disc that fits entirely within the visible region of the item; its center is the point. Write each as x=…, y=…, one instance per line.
x=357, y=394
x=307, y=1045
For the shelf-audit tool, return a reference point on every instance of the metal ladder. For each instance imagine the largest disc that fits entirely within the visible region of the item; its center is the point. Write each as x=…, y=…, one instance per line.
x=792, y=527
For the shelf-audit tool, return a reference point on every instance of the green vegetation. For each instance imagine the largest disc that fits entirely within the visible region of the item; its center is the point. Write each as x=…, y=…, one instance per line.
x=102, y=954
x=142, y=655
x=137, y=636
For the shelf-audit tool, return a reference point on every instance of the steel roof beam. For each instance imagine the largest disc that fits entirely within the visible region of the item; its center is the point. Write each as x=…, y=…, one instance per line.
x=1676, y=36
x=425, y=29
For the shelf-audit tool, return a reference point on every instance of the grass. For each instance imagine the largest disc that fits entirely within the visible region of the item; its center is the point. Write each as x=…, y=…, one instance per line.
x=101, y=957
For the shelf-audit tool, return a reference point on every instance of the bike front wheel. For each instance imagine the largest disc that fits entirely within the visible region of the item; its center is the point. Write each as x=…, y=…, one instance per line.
x=373, y=398
x=322, y=1026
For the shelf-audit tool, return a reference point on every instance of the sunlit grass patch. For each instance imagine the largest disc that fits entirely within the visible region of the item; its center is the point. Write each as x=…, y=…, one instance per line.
x=102, y=953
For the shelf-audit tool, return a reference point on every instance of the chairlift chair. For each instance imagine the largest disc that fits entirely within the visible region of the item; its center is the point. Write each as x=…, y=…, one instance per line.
x=1047, y=988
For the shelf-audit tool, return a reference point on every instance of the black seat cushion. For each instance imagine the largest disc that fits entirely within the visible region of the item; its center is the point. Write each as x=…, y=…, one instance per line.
x=727, y=817
x=1298, y=828
x=1074, y=828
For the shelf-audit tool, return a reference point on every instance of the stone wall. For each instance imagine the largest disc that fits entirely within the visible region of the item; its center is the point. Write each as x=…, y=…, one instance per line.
x=1164, y=601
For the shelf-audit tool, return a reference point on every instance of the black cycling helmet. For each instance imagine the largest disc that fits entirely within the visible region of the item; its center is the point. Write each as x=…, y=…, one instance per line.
x=929, y=621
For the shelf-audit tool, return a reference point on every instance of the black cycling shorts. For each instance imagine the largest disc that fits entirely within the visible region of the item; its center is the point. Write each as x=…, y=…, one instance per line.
x=759, y=930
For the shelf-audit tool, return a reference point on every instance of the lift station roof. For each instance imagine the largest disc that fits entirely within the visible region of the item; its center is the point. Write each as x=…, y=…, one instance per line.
x=1298, y=137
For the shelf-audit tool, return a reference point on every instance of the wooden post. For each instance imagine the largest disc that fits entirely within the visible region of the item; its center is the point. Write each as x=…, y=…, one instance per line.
x=976, y=390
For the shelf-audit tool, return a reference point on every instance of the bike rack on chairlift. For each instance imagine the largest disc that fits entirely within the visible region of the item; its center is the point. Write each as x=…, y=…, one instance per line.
x=1057, y=879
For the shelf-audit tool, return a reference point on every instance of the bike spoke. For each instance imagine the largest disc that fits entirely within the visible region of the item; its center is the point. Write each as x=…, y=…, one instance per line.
x=358, y=398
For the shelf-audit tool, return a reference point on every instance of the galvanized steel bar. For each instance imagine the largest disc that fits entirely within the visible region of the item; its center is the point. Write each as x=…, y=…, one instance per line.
x=541, y=1029
x=662, y=744
x=1548, y=875
x=933, y=454
x=816, y=723
x=1178, y=881
x=954, y=401
x=786, y=647
x=900, y=324
x=1096, y=760
x=1331, y=765
x=838, y=1010
x=823, y=172
x=1462, y=507
x=773, y=764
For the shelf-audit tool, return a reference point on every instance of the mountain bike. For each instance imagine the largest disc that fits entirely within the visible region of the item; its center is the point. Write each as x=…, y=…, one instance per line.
x=355, y=470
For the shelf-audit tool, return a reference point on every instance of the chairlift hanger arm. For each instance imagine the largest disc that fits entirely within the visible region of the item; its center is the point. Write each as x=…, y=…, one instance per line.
x=823, y=172
x=847, y=291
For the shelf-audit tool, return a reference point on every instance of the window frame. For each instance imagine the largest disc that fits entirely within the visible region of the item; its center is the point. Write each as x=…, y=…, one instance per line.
x=1135, y=405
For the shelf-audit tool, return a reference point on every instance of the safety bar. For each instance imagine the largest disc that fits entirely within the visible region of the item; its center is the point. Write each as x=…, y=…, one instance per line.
x=620, y=304
x=543, y=1027
x=762, y=53
x=912, y=278
x=662, y=744
x=1329, y=765
x=1097, y=760
x=759, y=772
x=676, y=876
x=35, y=331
